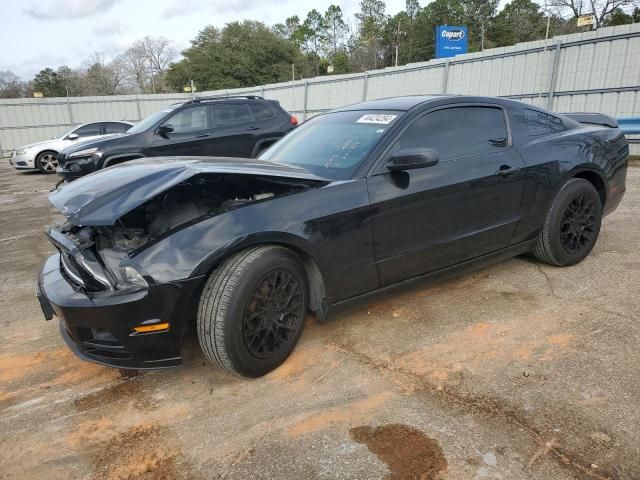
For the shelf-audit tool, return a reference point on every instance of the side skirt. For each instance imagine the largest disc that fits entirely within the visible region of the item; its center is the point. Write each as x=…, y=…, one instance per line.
x=439, y=275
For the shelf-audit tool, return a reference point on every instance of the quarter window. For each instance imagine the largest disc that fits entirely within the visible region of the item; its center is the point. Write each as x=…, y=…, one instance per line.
x=540, y=123
x=261, y=112
x=189, y=120
x=458, y=132
x=231, y=114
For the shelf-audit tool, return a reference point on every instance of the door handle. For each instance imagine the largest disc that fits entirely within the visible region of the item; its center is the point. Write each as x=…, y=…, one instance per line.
x=203, y=135
x=506, y=171
x=253, y=128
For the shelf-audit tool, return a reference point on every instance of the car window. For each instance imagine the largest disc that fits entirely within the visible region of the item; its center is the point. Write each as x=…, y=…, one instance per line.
x=88, y=130
x=227, y=114
x=540, y=123
x=261, y=111
x=151, y=120
x=189, y=120
x=333, y=145
x=457, y=132
x=116, y=127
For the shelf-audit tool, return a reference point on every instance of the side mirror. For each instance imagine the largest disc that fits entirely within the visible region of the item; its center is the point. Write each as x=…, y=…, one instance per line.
x=163, y=130
x=72, y=136
x=411, y=158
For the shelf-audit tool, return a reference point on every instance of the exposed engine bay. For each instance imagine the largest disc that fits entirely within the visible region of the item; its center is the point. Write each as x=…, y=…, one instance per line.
x=190, y=201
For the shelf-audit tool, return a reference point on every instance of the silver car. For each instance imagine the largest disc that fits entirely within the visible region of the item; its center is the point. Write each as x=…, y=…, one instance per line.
x=42, y=155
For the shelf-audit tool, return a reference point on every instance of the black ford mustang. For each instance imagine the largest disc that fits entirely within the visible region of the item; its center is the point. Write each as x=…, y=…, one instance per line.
x=354, y=201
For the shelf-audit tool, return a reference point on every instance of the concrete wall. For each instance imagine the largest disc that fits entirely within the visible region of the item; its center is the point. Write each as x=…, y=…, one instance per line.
x=594, y=71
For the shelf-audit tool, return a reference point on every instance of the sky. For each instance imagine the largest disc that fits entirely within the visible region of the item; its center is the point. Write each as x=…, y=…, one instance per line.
x=35, y=34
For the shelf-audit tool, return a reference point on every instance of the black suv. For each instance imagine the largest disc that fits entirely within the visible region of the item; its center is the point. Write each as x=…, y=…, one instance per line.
x=208, y=126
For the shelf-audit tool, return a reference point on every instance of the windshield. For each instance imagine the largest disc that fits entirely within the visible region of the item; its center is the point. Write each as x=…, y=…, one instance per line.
x=333, y=145
x=150, y=121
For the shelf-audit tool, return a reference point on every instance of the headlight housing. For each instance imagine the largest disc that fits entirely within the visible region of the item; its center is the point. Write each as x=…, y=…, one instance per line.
x=89, y=152
x=21, y=152
x=132, y=277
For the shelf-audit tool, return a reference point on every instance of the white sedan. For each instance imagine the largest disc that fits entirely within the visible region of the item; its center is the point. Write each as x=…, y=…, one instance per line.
x=42, y=155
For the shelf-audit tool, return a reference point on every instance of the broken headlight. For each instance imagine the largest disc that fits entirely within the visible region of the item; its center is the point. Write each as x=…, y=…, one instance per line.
x=130, y=276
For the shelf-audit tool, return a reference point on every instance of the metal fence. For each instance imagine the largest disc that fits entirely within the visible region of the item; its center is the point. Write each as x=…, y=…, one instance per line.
x=594, y=71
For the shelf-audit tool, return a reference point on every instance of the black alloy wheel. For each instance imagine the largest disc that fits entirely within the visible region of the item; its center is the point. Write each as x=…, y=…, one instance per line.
x=273, y=314
x=572, y=224
x=252, y=310
x=577, y=226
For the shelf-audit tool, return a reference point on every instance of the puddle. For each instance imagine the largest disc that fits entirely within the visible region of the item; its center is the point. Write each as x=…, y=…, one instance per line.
x=408, y=453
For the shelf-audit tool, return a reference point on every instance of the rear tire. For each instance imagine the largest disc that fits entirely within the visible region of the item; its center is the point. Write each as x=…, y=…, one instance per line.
x=47, y=162
x=571, y=226
x=252, y=310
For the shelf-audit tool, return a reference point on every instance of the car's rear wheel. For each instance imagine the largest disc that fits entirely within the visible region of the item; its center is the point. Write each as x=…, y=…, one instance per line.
x=571, y=226
x=47, y=162
x=252, y=310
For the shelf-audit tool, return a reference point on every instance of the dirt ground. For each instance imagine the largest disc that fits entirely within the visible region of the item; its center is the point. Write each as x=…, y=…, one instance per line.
x=519, y=371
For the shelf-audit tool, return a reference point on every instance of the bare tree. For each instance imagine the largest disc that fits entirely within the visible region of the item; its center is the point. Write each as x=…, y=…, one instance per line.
x=599, y=8
x=10, y=85
x=159, y=53
x=104, y=76
x=137, y=67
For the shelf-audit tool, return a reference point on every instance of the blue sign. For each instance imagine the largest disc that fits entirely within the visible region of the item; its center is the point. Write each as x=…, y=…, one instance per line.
x=450, y=41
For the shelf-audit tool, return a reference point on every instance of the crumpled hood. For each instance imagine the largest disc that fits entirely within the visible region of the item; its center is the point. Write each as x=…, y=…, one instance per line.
x=101, y=198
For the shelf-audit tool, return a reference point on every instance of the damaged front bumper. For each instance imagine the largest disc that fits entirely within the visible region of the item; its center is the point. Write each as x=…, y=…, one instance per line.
x=101, y=329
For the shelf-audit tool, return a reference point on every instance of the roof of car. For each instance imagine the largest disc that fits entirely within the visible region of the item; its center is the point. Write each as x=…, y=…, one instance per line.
x=393, y=103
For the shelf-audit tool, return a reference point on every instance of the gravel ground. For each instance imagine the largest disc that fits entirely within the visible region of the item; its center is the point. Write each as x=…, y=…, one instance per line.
x=519, y=371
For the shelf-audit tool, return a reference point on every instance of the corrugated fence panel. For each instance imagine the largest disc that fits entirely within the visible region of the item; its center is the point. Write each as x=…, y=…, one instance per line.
x=322, y=96
x=592, y=71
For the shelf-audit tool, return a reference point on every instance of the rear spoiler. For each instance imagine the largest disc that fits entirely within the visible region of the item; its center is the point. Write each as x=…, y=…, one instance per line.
x=593, y=119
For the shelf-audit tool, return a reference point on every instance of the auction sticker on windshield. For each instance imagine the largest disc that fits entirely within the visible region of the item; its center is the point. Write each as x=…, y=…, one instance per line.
x=378, y=118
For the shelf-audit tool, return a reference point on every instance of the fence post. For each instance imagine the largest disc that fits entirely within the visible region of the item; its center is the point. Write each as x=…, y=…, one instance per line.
x=306, y=96
x=70, y=111
x=445, y=77
x=365, y=86
x=262, y=91
x=138, y=107
x=554, y=75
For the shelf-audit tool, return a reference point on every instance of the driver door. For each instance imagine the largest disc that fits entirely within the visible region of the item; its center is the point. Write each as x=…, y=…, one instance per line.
x=190, y=134
x=463, y=207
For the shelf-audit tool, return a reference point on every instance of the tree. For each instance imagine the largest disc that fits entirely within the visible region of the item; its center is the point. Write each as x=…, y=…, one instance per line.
x=240, y=55
x=477, y=18
x=600, y=8
x=11, y=86
x=519, y=21
x=618, y=17
x=159, y=53
x=47, y=82
x=312, y=32
x=372, y=19
x=137, y=68
x=105, y=77
x=335, y=29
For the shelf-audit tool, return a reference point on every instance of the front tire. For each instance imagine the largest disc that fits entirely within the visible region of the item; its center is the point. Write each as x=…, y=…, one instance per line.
x=252, y=310
x=571, y=226
x=47, y=162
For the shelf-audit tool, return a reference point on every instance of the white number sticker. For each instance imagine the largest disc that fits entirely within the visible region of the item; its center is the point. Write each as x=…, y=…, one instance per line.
x=378, y=118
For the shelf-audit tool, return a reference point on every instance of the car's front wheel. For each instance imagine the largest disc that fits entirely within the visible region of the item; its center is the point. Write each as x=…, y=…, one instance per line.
x=47, y=162
x=571, y=226
x=252, y=310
